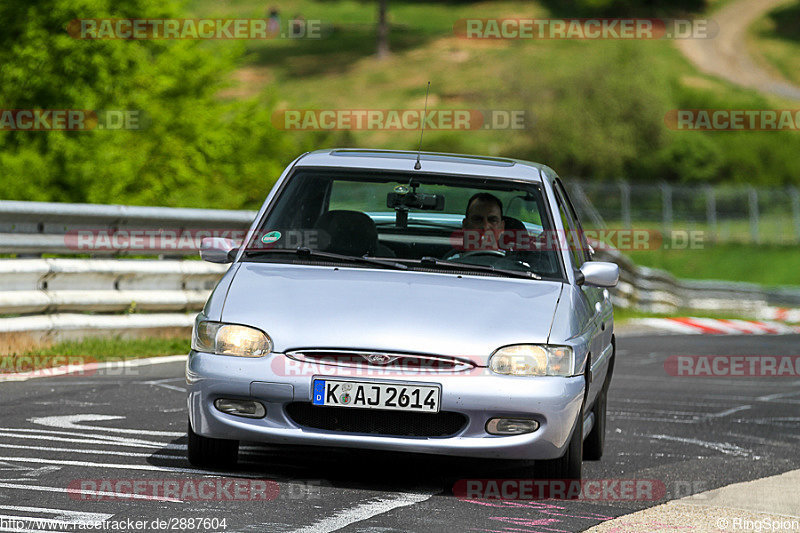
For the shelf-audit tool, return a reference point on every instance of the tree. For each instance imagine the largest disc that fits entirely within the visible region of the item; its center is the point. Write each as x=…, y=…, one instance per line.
x=193, y=149
x=383, y=29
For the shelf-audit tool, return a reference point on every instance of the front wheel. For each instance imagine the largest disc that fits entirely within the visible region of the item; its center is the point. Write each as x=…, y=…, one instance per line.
x=209, y=452
x=569, y=465
x=595, y=441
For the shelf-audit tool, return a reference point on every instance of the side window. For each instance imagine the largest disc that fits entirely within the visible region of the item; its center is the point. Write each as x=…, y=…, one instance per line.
x=580, y=235
x=572, y=237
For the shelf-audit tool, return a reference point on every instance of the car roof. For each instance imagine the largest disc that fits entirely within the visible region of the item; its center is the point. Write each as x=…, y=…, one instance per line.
x=431, y=162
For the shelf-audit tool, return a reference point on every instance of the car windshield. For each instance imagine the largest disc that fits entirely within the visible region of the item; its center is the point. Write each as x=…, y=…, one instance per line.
x=410, y=221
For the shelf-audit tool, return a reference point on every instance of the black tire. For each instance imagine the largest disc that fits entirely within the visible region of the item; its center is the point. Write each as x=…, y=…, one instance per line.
x=595, y=441
x=568, y=466
x=209, y=452
x=594, y=444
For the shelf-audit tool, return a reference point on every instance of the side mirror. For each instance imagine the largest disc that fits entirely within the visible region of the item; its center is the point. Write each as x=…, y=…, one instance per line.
x=598, y=274
x=218, y=250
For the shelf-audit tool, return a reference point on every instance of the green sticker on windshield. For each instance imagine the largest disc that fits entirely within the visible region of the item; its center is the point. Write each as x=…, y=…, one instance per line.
x=271, y=237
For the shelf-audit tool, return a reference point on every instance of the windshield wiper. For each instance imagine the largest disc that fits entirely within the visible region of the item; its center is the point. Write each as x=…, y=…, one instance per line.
x=308, y=252
x=440, y=263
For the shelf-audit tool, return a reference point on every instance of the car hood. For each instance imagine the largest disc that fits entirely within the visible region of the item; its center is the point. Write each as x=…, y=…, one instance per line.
x=301, y=306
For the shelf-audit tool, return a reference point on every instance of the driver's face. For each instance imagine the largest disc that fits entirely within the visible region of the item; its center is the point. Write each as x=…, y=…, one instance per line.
x=485, y=217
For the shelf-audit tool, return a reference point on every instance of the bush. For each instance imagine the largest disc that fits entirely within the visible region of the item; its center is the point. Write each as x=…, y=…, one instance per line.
x=194, y=148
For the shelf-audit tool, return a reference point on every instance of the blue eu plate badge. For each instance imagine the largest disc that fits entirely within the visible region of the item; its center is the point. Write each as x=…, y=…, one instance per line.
x=319, y=392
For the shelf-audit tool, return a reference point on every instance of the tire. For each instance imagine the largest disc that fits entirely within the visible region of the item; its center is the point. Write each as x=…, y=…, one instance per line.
x=594, y=444
x=595, y=441
x=209, y=452
x=568, y=466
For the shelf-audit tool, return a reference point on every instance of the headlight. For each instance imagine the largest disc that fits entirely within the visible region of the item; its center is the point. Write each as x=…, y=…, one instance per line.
x=230, y=339
x=533, y=360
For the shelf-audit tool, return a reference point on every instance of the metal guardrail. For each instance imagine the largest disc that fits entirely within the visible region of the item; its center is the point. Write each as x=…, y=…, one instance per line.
x=653, y=290
x=104, y=285
x=61, y=298
x=35, y=228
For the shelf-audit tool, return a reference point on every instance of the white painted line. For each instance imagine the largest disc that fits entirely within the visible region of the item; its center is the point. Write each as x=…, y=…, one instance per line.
x=71, y=422
x=53, y=524
x=91, y=439
x=62, y=490
x=729, y=411
x=145, y=361
x=93, y=452
x=78, y=516
x=79, y=369
x=243, y=450
x=724, y=447
x=362, y=512
x=150, y=468
x=775, y=396
x=163, y=383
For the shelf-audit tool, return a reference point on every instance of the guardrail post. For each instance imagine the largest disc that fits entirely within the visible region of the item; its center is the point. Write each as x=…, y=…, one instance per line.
x=666, y=208
x=795, y=196
x=753, y=201
x=711, y=212
x=625, y=203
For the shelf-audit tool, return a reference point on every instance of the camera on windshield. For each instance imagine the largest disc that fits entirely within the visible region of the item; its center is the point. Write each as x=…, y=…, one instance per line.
x=415, y=200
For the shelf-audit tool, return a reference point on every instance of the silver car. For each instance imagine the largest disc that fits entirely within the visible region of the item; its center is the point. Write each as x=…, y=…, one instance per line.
x=386, y=300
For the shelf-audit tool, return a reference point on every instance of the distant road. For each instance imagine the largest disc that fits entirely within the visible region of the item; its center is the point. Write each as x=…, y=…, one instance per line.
x=726, y=55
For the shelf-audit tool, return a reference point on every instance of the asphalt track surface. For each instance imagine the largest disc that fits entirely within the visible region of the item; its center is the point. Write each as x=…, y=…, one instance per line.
x=691, y=434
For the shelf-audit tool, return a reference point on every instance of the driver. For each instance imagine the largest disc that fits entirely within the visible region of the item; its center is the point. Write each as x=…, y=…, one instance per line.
x=482, y=226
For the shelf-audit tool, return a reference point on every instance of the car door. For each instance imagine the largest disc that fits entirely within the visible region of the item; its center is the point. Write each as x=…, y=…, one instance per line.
x=594, y=297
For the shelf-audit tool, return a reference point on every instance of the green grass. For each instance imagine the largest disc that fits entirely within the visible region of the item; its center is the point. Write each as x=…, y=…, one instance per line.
x=116, y=348
x=596, y=108
x=766, y=265
x=622, y=315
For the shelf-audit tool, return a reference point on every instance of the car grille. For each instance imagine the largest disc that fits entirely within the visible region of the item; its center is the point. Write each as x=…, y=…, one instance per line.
x=376, y=422
x=417, y=363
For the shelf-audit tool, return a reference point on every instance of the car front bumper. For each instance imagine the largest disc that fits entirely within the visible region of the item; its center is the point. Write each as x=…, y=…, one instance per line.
x=555, y=402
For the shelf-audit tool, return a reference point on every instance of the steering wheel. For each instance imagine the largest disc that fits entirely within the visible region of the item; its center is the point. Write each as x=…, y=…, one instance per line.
x=478, y=253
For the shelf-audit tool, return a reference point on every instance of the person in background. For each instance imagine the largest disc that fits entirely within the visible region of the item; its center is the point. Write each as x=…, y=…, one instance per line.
x=297, y=27
x=273, y=22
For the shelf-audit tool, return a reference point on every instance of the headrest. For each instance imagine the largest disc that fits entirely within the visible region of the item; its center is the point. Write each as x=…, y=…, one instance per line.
x=348, y=232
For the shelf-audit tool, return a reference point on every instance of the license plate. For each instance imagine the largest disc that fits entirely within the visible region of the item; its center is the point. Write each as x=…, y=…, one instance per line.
x=369, y=395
